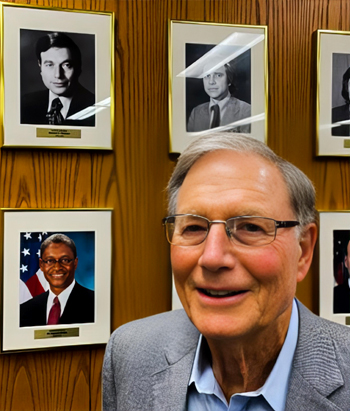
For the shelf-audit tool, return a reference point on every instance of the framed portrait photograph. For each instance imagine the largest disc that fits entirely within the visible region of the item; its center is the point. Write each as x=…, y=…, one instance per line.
x=335, y=266
x=217, y=80
x=333, y=98
x=56, y=277
x=57, y=86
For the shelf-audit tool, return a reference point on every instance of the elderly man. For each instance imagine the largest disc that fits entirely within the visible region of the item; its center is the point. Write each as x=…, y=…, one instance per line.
x=59, y=59
x=222, y=109
x=242, y=229
x=66, y=301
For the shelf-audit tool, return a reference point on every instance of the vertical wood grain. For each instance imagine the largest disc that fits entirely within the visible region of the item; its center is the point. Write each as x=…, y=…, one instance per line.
x=131, y=179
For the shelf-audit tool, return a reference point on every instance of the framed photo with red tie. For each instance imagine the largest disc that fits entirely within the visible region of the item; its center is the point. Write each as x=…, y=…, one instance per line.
x=333, y=93
x=335, y=266
x=56, y=277
x=57, y=84
x=217, y=81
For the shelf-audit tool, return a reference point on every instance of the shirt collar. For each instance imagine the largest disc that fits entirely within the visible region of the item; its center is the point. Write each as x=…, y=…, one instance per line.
x=221, y=103
x=276, y=386
x=62, y=297
x=64, y=100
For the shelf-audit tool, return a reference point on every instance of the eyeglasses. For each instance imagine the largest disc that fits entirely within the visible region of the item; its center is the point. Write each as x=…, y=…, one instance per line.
x=189, y=230
x=62, y=261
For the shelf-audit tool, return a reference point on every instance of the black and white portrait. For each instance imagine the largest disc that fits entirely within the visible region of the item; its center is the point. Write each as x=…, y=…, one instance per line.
x=221, y=94
x=340, y=93
x=341, y=269
x=57, y=78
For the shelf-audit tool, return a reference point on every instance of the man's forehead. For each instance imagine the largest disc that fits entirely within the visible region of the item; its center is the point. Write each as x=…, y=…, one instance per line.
x=58, y=247
x=208, y=69
x=237, y=179
x=56, y=53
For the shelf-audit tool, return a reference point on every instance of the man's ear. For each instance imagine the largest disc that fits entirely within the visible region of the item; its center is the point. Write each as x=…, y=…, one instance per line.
x=40, y=264
x=75, y=263
x=307, y=243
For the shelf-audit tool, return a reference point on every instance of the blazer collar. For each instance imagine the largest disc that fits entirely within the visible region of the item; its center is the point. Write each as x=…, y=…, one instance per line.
x=315, y=371
x=170, y=383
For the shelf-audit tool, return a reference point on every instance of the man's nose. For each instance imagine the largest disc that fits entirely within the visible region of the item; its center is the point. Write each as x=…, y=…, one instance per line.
x=218, y=251
x=211, y=79
x=57, y=71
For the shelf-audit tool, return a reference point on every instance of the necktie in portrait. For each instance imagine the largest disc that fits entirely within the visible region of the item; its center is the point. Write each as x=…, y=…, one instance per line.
x=55, y=312
x=54, y=115
x=216, y=116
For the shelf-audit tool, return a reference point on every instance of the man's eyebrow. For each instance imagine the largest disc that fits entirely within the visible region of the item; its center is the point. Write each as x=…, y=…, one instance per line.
x=62, y=62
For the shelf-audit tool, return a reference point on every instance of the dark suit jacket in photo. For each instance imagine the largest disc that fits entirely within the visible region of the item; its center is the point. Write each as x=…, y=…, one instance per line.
x=148, y=364
x=235, y=110
x=341, y=113
x=341, y=299
x=80, y=308
x=34, y=107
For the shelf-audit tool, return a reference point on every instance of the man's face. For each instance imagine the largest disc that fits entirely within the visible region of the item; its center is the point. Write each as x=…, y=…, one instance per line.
x=347, y=258
x=226, y=184
x=57, y=70
x=59, y=276
x=216, y=84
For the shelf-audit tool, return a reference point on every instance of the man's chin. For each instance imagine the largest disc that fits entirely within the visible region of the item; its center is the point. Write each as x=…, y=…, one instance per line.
x=62, y=92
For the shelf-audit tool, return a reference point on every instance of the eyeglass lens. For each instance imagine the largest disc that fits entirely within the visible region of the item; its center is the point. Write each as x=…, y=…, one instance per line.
x=192, y=230
x=61, y=261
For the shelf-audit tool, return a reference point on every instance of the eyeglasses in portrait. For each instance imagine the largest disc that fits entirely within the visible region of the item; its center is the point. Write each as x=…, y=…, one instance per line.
x=56, y=277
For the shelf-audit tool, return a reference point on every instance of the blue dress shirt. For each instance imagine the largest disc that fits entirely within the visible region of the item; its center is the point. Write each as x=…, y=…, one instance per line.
x=205, y=394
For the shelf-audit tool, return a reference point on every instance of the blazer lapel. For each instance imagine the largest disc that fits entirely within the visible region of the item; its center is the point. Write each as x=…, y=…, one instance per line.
x=170, y=384
x=315, y=372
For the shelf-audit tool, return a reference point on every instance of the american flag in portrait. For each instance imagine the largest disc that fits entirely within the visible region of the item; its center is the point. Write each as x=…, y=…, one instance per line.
x=32, y=280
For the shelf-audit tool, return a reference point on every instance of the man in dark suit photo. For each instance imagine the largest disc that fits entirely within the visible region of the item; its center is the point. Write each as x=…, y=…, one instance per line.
x=341, y=298
x=60, y=63
x=223, y=108
x=66, y=301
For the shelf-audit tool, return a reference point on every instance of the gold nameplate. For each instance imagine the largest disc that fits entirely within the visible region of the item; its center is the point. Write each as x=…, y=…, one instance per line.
x=57, y=133
x=346, y=143
x=347, y=320
x=62, y=332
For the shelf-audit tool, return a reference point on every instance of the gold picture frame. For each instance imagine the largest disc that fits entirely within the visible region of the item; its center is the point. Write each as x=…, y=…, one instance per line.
x=198, y=51
x=25, y=289
x=332, y=105
x=81, y=80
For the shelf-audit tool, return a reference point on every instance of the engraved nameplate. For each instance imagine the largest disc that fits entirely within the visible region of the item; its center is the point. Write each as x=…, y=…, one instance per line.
x=62, y=332
x=347, y=320
x=346, y=143
x=58, y=133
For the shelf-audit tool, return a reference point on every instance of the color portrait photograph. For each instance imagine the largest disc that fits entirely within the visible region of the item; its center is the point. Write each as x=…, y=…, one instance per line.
x=56, y=277
x=57, y=272
x=341, y=266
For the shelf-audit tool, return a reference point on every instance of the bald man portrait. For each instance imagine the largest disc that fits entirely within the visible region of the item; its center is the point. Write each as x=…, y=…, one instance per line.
x=242, y=228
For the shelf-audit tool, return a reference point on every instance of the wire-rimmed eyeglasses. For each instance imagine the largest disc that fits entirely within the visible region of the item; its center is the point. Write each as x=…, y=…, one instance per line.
x=254, y=231
x=61, y=261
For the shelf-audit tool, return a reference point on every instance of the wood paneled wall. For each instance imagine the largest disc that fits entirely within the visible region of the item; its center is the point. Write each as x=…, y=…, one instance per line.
x=131, y=179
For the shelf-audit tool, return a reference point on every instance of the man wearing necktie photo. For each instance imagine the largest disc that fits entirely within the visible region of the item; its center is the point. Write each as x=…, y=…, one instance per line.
x=66, y=301
x=223, y=108
x=60, y=63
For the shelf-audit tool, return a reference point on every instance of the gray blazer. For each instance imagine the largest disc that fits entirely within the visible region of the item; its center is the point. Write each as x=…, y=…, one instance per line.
x=148, y=363
x=235, y=110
